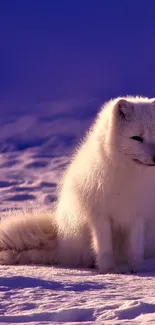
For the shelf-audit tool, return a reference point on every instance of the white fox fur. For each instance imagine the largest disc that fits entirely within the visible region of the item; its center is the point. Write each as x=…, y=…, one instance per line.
x=105, y=214
x=28, y=237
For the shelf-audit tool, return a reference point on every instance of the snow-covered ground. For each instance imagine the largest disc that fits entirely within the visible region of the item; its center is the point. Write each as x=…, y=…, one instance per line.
x=34, y=149
x=46, y=295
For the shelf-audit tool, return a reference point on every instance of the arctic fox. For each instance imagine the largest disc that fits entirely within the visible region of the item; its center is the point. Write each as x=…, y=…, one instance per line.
x=105, y=214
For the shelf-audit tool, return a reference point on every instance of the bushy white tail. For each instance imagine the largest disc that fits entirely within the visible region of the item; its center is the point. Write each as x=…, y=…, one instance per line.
x=28, y=237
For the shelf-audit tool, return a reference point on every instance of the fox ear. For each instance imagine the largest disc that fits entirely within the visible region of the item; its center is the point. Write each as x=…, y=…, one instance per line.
x=125, y=109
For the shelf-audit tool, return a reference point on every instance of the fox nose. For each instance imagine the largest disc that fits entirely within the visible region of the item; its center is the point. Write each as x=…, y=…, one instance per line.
x=153, y=159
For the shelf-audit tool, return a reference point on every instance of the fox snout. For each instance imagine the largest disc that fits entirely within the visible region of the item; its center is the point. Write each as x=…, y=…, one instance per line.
x=152, y=152
x=144, y=161
x=150, y=149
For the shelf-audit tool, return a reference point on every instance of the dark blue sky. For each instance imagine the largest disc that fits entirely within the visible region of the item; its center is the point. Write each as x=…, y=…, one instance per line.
x=58, y=49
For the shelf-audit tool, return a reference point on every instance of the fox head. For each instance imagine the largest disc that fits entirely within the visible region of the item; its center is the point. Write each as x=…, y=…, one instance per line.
x=131, y=129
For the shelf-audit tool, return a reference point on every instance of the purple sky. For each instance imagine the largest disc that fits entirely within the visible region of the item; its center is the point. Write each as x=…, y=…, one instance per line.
x=60, y=49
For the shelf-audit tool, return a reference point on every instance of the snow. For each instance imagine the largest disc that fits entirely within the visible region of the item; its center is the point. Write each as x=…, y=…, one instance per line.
x=41, y=295
x=34, y=149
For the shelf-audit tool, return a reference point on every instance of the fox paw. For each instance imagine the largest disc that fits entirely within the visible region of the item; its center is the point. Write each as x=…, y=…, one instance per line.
x=136, y=268
x=106, y=264
x=135, y=264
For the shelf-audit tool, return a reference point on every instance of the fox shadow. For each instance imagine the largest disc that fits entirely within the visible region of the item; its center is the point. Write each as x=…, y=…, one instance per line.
x=22, y=282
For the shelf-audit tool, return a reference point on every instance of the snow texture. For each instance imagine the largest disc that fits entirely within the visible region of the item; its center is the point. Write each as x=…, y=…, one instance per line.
x=46, y=295
x=34, y=150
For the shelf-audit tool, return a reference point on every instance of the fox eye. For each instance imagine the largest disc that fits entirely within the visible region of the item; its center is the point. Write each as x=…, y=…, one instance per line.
x=137, y=138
